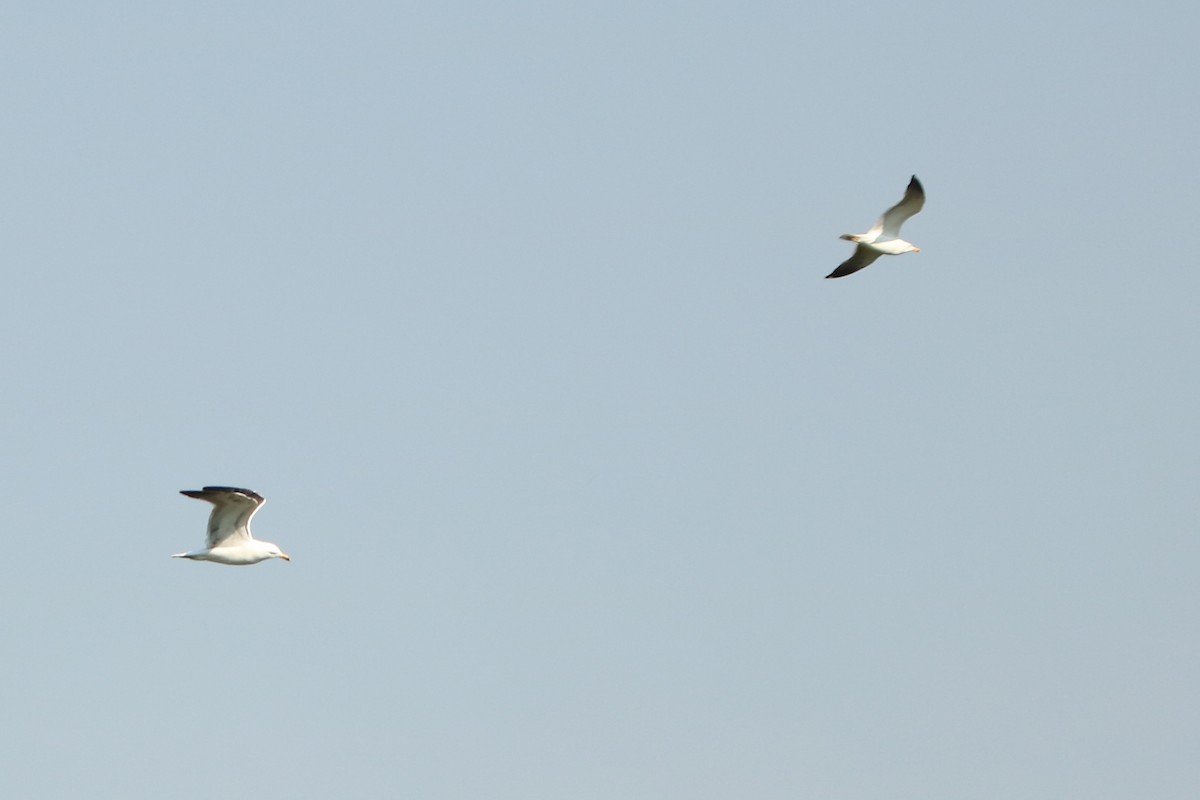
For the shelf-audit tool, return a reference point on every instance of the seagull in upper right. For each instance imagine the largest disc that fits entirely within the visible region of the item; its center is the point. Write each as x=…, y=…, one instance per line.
x=884, y=238
x=229, y=539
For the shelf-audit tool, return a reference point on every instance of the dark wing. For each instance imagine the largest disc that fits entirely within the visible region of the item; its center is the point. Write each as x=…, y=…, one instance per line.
x=232, y=510
x=897, y=215
x=863, y=257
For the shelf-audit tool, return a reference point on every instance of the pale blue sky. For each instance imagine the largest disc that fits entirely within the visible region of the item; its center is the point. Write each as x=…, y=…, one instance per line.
x=595, y=488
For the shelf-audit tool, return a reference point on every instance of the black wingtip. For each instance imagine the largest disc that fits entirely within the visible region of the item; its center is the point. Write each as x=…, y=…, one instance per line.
x=208, y=490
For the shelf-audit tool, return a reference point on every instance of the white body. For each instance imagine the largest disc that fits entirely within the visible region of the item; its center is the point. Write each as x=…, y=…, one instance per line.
x=888, y=247
x=238, y=555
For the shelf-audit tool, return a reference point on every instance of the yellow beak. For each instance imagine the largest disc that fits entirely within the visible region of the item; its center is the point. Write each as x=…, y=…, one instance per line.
x=285, y=556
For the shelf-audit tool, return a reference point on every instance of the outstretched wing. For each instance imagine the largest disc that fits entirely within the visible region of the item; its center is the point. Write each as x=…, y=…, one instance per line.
x=232, y=510
x=888, y=226
x=863, y=257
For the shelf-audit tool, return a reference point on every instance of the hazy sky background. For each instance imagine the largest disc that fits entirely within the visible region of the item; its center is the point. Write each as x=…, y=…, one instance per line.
x=594, y=487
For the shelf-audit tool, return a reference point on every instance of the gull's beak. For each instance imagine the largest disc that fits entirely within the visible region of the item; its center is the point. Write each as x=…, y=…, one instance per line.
x=916, y=249
x=285, y=556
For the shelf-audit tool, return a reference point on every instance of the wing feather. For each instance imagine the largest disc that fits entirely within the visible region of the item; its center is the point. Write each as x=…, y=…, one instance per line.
x=864, y=256
x=912, y=202
x=232, y=510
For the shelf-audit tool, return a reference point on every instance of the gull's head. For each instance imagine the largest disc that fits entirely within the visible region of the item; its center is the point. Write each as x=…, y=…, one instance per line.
x=273, y=551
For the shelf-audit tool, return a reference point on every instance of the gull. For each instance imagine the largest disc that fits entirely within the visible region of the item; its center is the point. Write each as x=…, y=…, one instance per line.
x=229, y=539
x=884, y=238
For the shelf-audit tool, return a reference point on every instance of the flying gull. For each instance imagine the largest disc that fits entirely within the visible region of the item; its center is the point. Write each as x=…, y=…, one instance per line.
x=229, y=539
x=884, y=237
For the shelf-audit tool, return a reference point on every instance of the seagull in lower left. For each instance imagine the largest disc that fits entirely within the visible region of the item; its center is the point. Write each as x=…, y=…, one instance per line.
x=229, y=539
